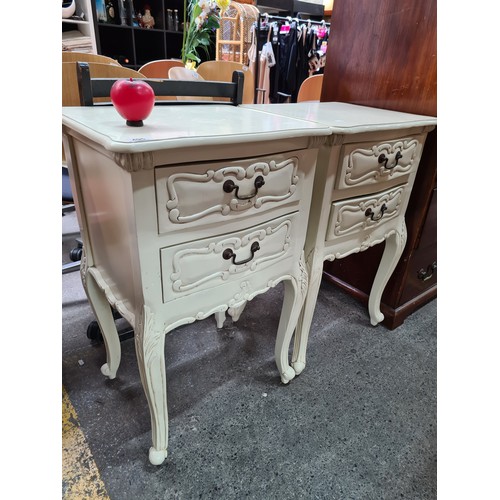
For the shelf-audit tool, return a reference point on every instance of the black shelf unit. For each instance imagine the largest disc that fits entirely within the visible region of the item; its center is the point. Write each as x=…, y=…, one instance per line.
x=133, y=45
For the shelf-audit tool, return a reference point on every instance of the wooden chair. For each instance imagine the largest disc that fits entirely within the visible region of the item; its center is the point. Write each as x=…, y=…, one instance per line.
x=70, y=93
x=223, y=70
x=310, y=90
x=85, y=57
x=184, y=74
x=160, y=67
x=93, y=88
x=71, y=97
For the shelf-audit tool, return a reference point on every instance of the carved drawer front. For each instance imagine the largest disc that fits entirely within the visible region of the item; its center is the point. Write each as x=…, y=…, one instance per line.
x=203, y=264
x=199, y=194
x=365, y=213
x=365, y=164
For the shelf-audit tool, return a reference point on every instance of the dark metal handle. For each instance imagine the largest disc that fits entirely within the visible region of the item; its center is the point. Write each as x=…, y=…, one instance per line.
x=230, y=186
x=370, y=213
x=384, y=159
x=229, y=254
x=425, y=275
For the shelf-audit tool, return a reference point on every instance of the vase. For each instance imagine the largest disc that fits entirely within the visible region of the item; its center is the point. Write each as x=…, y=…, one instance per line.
x=68, y=9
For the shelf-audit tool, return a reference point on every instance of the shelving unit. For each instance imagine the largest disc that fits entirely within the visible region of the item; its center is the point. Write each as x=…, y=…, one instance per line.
x=129, y=43
x=79, y=34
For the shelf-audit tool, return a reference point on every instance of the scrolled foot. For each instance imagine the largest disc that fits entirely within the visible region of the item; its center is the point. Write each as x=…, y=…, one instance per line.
x=376, y=318
x=157, y=457
x=298, y=367
x=107, y=372
x=288, y=375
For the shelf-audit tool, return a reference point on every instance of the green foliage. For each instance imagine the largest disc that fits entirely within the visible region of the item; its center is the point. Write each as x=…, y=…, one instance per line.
x=203, y=19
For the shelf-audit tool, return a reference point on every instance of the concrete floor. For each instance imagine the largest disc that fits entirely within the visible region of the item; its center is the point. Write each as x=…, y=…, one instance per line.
x=358, y=423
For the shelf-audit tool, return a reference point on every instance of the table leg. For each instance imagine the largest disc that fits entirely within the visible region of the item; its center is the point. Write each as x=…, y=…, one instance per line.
x=315, y=267
x=235, y=312
x=150, y=348
x=104, y=315
x=294, y=295
x=394, y=246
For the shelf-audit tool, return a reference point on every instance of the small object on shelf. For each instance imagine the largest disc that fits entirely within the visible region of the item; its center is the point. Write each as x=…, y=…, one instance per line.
x=147, y=20
x=170, y=20
x=133, y=100
x=123, y=12
x=110, y=12
x=68, y=8
x=134, y=21
x=121, y=59
x=100, y=8
x=176, y=20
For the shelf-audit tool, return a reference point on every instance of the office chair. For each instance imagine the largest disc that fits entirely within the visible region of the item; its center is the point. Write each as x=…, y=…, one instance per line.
x=68, y=205
x=93, y=89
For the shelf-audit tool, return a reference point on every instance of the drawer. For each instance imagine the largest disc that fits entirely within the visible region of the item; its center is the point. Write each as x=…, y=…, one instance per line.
x=368, y=163
x=195, y=195
x=365, y=213
x=200, y=265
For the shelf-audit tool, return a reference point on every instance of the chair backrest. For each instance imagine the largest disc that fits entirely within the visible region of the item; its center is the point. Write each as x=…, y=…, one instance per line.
x=68, y=56
x=223, y=70
x=310, y=90
x=184, y=74
x=70, y=91
x=159, y=68
x=91, y=88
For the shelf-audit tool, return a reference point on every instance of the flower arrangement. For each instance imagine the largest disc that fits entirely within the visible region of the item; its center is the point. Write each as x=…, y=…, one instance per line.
x=203, y=19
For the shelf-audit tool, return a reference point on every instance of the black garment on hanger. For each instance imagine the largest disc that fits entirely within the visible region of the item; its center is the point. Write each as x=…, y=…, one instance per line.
x=306, y=46
x=285, y=78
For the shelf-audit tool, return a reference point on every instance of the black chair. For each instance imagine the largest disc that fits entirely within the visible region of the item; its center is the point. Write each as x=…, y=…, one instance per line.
x=95, y=88
x=231, y=92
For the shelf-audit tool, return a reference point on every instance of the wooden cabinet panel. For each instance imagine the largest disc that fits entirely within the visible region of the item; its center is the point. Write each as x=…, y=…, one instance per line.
x=383, y=54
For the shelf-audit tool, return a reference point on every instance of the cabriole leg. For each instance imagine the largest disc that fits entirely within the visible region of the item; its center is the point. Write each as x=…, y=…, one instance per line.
x=305, y=318
x=150, y=344
x=394, y=246
x=294, y=295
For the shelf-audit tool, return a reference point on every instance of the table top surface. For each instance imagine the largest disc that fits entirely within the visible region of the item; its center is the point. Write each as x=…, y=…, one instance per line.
x=191, y=125
x=344, y=118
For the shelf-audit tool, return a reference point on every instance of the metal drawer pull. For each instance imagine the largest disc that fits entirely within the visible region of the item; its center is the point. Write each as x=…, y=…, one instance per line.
x=230, y=186
x=384, y=159
x=370, y=213
x=427, y=275
x=229, y=254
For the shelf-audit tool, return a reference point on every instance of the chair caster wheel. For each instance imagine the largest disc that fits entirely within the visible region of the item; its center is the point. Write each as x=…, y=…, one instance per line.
x=75, y=254
x=94, y=332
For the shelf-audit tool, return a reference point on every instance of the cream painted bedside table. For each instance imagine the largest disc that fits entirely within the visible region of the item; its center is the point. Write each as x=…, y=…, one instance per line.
x=364, y=177
x=195, y=213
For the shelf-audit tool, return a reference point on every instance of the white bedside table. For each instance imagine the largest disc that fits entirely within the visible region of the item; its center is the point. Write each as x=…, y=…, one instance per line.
x=195, y=213
x=364, y=177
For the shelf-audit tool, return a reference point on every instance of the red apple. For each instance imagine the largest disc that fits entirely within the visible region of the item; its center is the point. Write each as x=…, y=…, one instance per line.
x=133, y=99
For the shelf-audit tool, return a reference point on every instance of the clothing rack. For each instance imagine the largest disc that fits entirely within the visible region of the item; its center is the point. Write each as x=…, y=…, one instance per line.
x=272, y=17
x=268, y=18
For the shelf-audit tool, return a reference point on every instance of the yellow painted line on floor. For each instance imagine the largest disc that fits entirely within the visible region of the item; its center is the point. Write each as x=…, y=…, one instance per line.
x=80, y=475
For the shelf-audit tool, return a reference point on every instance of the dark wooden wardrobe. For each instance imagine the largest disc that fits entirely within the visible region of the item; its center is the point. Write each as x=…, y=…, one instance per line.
x=383, y=53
